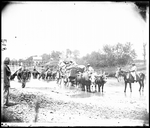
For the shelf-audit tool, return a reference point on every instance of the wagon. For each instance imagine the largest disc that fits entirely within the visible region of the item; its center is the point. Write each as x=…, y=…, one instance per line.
x=72, y=73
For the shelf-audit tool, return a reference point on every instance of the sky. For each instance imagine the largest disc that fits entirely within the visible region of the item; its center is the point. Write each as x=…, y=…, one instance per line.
x=35, y=28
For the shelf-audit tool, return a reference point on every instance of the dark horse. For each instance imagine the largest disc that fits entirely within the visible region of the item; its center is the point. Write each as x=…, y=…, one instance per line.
x=128, y=78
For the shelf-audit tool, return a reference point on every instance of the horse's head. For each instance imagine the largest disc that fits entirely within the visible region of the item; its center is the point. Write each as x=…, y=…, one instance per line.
x=122, y=73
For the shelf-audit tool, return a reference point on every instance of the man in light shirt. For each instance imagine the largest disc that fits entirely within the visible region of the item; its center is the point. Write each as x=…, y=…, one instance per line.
x=89, y=69
x=134, y=71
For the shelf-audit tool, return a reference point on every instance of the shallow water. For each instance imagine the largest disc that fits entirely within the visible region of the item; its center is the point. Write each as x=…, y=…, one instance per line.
x=112, y=89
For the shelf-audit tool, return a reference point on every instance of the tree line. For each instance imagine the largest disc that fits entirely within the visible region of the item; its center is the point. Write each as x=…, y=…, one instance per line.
x=110, y=55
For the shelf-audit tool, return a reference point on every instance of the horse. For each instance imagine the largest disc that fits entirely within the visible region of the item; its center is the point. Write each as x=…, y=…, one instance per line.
x=118, y=76
x=128, y=78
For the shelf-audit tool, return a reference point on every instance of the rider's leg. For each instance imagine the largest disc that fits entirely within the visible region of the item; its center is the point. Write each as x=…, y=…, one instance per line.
x=134, y=76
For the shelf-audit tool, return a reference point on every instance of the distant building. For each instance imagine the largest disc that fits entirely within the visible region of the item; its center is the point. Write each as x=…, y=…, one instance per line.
x=37, y=60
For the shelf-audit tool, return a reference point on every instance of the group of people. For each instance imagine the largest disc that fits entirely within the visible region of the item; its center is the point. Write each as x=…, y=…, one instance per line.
x=7, y=77
x=62, y=65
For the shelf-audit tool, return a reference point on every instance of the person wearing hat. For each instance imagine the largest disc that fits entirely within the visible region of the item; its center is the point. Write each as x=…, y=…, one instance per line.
x=133, y=71
x=89, y=69
x=7, y=74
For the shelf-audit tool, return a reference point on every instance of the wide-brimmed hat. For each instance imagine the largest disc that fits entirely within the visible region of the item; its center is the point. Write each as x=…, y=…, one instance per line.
x=88, y=64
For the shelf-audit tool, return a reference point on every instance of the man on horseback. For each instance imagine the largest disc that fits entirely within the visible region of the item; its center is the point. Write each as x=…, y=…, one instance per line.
x=133, y=71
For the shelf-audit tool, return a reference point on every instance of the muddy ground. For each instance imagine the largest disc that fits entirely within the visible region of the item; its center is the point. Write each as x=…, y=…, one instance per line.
x=69, y=106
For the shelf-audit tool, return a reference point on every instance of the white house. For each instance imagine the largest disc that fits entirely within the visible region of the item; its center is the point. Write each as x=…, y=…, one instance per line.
x=37, y=60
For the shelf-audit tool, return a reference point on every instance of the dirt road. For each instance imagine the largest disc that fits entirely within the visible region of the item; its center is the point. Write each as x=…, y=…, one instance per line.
x=60, y=106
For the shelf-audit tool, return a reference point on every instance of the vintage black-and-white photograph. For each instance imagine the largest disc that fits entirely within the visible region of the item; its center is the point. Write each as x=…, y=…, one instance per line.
x=75, y=64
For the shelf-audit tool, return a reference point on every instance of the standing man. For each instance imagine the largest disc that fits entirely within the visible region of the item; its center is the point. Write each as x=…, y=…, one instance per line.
x=7, y=74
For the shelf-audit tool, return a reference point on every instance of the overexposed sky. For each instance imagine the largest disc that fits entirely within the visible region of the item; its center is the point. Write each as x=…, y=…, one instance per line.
x=39, y=27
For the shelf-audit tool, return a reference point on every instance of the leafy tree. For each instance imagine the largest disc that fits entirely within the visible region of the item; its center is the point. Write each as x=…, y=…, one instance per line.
x=128, y=53
x=29, y=61
x=68, y=53
x=76, y=54
x=55, y=55
x=45, y=58
x=112, y=55
x=109, y=51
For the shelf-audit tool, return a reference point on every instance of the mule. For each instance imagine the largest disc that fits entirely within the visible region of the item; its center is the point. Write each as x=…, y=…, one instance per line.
x=128, y=78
